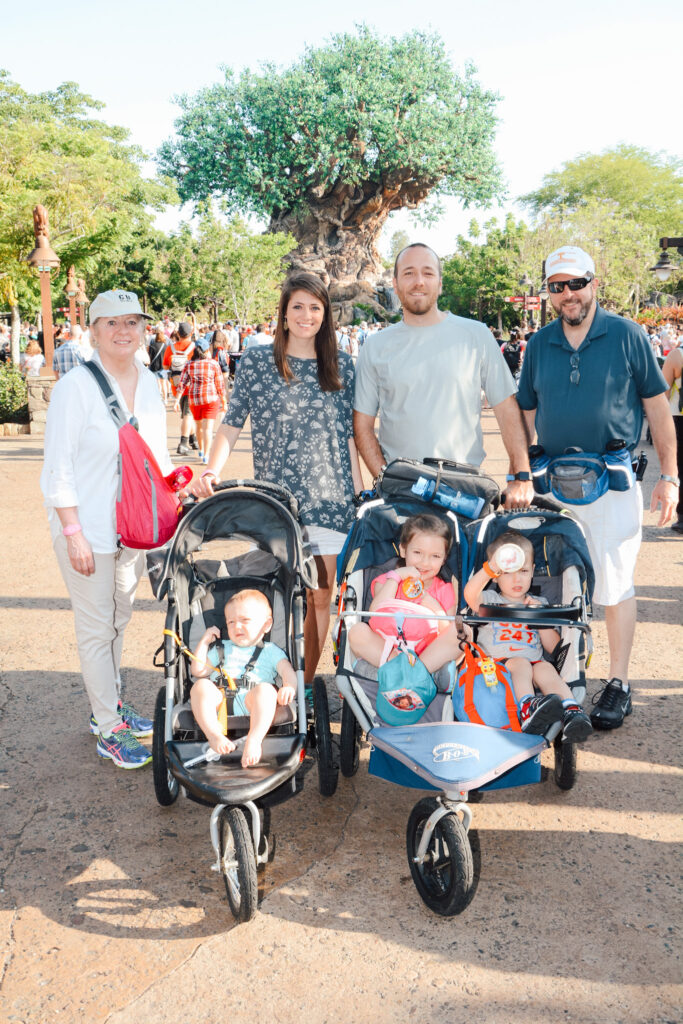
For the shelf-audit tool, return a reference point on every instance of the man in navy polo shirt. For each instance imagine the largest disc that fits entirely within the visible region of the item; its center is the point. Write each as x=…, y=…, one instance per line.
x=586, y=379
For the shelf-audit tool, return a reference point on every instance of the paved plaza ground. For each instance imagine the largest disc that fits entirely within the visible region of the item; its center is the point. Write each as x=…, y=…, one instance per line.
x=110, y=912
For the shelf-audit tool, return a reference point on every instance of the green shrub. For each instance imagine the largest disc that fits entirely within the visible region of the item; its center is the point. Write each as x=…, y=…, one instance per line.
x=13, y=396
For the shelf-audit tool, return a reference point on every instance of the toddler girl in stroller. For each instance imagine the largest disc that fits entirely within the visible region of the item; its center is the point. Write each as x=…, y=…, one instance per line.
x=424, y=545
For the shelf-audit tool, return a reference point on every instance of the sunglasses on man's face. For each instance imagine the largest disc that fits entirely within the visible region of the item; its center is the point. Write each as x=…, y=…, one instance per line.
x=575, y=285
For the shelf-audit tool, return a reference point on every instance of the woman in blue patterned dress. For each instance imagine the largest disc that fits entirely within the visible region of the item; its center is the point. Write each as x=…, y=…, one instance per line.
x=299, y=395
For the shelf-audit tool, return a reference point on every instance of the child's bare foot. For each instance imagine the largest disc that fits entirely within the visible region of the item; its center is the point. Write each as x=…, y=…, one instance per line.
x=252, y=752
x=220, y=743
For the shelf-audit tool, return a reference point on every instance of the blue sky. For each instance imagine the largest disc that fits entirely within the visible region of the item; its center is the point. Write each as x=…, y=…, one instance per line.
x=573, y=77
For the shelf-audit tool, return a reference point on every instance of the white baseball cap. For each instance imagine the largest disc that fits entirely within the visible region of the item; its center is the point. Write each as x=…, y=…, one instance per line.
x=569, y=259
x=115, y=303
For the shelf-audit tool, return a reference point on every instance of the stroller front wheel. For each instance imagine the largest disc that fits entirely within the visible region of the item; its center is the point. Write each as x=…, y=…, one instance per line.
x=349, y=742
x=444, y=877
x=166, y=787
x=238, y=864
x=327, y=770
x=565, y=763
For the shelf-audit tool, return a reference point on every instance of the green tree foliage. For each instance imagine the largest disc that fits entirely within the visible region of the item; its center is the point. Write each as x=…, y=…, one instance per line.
x=621, y=247
x=241, y=271
x=137, y=264
x=328, y=147
x=616, y=205
x=633, y=182
x=480, y=275
x=399, y=240
x=219, y=267
x=54, y=152
x=13, y=394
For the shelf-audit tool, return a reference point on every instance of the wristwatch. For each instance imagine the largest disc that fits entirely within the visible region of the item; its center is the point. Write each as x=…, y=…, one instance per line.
x=524, y=475
x=670, y=479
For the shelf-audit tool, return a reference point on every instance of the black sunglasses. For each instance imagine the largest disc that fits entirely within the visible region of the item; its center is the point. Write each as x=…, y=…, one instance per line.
x=575, y=285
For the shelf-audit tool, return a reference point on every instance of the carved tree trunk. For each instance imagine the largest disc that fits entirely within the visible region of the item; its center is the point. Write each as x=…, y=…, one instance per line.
x=337, y=235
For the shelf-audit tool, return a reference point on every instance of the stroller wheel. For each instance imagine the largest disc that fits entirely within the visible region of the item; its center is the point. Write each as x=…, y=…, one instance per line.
x=565, y=763
x=445, y=877
x=166, y=787
x=267, y=840
x=327, y=770
x=349, y=743
x=238, y=864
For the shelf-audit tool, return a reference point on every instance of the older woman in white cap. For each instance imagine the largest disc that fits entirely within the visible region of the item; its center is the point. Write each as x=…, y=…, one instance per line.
x=79, y=483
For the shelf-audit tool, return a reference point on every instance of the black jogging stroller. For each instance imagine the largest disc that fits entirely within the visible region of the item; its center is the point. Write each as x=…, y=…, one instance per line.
x=245, y=536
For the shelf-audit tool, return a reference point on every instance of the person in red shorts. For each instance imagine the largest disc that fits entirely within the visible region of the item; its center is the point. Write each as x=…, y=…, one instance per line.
x=202, y=380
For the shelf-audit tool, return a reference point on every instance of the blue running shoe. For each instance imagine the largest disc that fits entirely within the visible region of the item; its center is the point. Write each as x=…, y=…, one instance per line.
x=139, y=726
x=123, y=749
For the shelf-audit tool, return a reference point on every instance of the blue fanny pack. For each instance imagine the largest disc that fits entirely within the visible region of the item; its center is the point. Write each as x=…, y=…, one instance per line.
x=580, y=478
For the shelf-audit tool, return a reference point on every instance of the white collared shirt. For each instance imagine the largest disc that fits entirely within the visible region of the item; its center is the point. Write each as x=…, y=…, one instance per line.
x=81, y=449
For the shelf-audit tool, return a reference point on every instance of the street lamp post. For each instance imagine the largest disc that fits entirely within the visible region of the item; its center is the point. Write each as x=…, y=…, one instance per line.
x=44, y=259
x=82, y=300
x=71, y=289
x=664, y=268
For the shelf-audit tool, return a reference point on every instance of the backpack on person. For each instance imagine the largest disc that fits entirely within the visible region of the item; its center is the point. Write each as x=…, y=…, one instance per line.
x=483, y=692
x=179, y=357
x=147, y=506
x=156, y=360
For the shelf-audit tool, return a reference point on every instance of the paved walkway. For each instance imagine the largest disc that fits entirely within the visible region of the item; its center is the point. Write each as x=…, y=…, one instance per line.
x=109, y=910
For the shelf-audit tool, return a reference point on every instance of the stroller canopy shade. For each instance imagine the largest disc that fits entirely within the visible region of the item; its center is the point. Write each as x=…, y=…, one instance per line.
x=244, y=513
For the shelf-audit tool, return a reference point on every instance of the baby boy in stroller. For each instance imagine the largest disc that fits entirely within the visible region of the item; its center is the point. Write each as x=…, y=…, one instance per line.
x=248, y=668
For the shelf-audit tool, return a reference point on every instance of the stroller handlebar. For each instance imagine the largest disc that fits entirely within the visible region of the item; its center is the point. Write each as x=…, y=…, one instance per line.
x=275, y=490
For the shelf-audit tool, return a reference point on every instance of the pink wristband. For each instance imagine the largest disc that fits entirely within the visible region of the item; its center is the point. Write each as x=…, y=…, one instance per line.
x=69, y=531
x=393, y=575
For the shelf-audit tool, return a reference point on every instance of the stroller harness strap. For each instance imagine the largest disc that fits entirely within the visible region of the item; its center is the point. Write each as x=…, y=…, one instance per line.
x=231, y=686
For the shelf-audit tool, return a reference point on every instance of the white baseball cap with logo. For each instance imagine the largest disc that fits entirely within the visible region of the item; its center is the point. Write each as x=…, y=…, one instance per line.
x=115, y=303
x=569, y=259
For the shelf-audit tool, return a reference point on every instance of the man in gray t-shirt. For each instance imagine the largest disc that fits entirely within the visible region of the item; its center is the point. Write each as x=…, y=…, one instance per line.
x=424, y=376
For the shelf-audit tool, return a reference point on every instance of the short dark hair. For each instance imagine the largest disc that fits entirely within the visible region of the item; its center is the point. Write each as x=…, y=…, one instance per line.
x=416, y=245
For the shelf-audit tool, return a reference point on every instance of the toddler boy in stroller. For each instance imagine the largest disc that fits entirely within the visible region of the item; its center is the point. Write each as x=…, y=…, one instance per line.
x=521, y=647
x=244, y=660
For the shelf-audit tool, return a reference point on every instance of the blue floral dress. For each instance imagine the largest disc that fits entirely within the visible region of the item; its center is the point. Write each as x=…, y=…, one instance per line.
x=300, y=434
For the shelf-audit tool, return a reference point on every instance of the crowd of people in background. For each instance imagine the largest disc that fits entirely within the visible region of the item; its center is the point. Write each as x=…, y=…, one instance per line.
x=226, y=341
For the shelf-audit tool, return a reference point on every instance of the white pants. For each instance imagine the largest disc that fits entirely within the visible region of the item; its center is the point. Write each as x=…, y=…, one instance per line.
x=614, y=527
x=102, y=606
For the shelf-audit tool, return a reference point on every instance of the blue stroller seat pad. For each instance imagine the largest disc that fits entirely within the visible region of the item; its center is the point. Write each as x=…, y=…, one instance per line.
x=453, y=754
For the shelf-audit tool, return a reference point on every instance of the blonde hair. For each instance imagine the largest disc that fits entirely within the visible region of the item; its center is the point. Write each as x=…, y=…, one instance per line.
x=250, y=595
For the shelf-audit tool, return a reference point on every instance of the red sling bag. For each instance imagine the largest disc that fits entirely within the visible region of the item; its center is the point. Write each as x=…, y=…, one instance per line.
x=147, y=507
